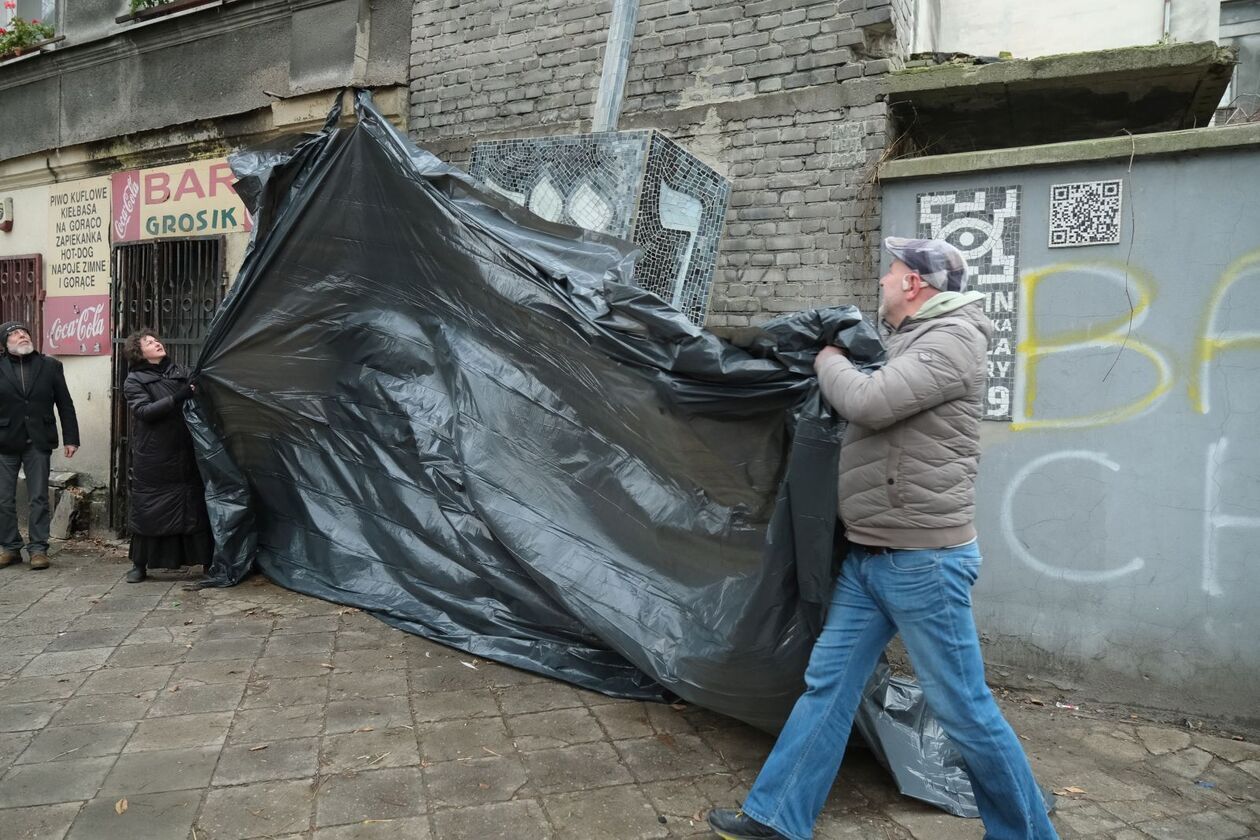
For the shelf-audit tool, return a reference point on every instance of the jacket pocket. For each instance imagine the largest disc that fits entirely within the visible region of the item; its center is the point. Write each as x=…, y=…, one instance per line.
x=892, y=476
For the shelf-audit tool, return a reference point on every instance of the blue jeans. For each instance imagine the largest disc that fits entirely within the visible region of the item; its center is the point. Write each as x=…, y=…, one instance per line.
x=926, y=597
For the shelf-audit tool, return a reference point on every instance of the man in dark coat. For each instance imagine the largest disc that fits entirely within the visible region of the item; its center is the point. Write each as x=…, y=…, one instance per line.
x=30, y=385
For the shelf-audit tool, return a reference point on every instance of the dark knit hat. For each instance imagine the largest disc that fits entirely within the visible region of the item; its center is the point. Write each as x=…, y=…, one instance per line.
x=9, y=327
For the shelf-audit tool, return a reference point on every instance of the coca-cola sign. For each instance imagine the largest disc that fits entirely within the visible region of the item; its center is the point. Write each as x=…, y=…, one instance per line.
x=76, y=325
x=126, y=195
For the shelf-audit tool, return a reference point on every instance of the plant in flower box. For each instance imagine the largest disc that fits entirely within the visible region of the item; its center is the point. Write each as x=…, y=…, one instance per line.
x=20, y=35
x=141, y=5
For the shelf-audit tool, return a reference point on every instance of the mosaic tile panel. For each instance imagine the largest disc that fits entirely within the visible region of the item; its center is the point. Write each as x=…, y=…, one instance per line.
x=1085, y=213
x=679, y=223
x=983, y=224
x=638, y=185
x=589, y=180
x=847, y=149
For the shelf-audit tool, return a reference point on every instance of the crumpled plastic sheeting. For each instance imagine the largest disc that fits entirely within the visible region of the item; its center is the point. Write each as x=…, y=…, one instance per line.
x=896, y=724
x=907, y=739
x=423, y=401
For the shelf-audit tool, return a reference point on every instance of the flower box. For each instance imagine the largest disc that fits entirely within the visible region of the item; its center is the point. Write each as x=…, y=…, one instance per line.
x=164, y=9
x=20, y=36
x=30, y=49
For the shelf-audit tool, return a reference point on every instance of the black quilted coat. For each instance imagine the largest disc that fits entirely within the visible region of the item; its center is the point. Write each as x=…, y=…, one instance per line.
x=167, y=495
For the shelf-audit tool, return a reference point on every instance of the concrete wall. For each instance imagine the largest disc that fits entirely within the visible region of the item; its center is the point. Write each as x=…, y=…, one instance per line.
x=780, y=96
x=88, y=378
x=1031, y=28
x=110, y=80
x=1120, y=512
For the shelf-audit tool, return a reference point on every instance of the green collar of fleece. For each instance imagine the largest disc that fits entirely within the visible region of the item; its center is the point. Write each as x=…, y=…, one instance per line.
x=945, y=302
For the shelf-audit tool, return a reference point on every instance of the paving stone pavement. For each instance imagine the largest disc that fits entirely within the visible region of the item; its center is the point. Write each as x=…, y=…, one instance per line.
x=257, y=712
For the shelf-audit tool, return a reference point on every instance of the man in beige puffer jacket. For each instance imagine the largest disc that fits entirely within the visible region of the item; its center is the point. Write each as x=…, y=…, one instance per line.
x=907, y=502
x=910, y=453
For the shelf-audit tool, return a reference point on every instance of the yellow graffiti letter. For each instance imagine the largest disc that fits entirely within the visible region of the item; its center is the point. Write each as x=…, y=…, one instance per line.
x=1211, y=342
x=1113, y=333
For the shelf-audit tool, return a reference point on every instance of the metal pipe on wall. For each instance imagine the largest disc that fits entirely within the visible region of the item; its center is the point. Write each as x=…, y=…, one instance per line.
x=612, y=80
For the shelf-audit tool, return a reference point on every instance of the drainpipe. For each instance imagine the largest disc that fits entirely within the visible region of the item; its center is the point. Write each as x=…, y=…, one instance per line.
x=362, y=44
x=612, y=81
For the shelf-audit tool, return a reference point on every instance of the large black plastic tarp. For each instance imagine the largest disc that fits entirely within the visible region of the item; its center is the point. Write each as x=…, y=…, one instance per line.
x=423, y=401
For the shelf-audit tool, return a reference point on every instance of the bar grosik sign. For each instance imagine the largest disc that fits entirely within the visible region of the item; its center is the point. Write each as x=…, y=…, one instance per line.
x=188, y=199
x=76, y=325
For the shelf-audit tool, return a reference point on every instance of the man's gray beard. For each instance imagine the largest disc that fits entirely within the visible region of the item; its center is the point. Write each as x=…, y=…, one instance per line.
x=23, y=349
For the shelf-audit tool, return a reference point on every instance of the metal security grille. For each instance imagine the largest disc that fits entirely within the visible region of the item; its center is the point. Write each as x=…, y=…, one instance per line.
x=1240, y=28
x=171, y=286
x=22, y=293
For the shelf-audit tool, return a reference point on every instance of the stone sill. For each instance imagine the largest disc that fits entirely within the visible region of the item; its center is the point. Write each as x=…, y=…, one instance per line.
x=168, y=9
x=31, y=51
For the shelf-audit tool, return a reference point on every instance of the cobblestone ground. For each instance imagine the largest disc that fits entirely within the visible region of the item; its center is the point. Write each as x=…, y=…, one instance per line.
x=145, y=711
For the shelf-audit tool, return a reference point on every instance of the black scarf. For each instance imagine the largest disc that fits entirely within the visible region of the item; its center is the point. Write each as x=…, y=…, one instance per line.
x=160, y=366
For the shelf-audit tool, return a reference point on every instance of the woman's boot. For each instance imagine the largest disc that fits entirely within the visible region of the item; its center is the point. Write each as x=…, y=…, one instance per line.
x=135, y=574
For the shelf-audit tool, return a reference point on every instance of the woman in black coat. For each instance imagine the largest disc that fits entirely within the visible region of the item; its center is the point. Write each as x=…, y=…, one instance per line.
x=167, y=503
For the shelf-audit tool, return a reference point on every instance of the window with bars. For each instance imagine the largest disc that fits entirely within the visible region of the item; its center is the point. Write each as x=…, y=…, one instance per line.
x=22, y=292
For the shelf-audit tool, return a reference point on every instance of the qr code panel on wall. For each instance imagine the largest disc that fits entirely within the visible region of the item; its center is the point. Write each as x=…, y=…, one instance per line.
x=1086, y=213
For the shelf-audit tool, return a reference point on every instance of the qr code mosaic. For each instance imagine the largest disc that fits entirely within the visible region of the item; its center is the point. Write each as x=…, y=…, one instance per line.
x=1086, y=213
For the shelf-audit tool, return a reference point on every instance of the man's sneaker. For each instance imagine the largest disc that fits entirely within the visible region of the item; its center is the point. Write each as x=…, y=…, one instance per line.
x=8, y=558
x=135, y=574
x=736, y=825
x=39, y=561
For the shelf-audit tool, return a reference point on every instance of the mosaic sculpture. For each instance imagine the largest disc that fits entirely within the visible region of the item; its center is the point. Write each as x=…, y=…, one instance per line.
x=638, y=185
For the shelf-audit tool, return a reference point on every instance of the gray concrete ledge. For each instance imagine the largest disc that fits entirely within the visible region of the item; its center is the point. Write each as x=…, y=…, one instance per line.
x=190, y=141
x=1078, y=151
x=1067, y=68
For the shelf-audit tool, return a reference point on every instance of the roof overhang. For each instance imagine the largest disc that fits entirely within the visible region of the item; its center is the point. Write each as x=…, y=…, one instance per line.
x=963, y=107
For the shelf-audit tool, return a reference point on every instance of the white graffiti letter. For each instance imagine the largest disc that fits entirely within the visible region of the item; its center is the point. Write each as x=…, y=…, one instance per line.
x=1017, y=545
x=1214, y=521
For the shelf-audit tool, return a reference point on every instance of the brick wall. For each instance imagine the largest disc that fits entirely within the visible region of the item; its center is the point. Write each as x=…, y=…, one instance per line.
x=903, y=25
x=784, y=97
